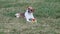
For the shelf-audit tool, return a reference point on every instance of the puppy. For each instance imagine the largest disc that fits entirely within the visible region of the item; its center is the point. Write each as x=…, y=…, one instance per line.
x=28, y=15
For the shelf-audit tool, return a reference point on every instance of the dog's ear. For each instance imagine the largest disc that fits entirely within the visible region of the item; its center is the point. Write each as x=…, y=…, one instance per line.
x=32, y=10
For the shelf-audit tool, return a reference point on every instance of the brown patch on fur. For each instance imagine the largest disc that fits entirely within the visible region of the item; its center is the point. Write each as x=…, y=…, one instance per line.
x=22, y=15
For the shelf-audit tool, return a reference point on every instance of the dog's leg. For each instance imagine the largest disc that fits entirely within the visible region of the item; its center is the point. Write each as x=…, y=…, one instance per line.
x=17, y=15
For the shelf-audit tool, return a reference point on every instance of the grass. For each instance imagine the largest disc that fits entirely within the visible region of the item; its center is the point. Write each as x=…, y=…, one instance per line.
x=47, y=13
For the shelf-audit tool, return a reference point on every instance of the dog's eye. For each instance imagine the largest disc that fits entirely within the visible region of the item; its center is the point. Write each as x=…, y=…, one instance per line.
x=31, y=10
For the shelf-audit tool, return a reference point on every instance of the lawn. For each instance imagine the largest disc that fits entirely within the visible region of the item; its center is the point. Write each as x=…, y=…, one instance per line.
x=47, y=13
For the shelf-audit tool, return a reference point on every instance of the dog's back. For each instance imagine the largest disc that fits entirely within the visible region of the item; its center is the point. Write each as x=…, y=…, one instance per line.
x=22, y=14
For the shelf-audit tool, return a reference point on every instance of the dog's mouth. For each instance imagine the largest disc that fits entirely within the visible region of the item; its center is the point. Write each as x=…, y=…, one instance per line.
x=29, y=11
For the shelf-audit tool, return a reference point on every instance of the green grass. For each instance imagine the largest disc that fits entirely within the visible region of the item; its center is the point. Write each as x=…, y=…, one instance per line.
x=47, y=13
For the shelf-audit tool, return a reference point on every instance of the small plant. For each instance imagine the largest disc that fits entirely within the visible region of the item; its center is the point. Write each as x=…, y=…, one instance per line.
x=33, y=21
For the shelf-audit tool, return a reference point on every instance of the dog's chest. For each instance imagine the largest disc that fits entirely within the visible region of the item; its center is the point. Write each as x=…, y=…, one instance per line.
x=28, y=15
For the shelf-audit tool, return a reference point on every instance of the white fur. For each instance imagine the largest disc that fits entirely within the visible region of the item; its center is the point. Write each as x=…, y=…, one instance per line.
x=17, y=15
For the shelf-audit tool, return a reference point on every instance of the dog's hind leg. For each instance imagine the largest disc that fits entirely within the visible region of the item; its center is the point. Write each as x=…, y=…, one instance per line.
x=17, y=15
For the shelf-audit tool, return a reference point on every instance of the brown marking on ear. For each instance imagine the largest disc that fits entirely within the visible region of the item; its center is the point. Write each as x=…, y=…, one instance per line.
x=32, y=10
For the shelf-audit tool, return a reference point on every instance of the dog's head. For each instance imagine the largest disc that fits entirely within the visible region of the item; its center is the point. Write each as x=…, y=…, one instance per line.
x=30, y=9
